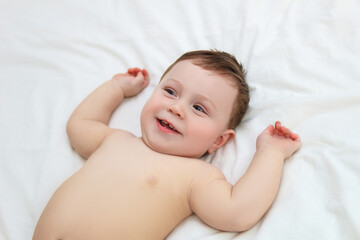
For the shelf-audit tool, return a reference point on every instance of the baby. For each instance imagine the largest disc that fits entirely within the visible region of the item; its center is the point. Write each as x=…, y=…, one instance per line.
x=142, y=188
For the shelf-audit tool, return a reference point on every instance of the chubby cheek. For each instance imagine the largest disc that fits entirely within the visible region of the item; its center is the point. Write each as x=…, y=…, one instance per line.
x=154, y=103
x=150, y=107
x=147, y=114
x=204, y=134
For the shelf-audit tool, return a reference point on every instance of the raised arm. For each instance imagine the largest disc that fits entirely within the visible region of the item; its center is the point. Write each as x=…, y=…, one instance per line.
x=239, y=207
x=87, y=127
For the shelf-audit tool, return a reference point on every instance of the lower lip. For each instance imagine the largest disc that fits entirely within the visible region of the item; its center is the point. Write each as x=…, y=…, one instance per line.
x=164, y=129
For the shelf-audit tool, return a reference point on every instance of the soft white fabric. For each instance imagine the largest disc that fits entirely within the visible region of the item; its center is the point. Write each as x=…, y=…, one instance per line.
x=302, y=61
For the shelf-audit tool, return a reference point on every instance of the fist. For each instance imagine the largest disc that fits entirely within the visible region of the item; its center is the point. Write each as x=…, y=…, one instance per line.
x=280, y=138
x=132, y=82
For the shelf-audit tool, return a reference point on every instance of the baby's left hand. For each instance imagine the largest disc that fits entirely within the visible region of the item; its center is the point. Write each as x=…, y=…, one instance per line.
x=280, y=138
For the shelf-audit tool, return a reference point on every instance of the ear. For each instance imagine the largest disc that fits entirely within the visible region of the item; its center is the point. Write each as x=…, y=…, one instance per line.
x=227, y=135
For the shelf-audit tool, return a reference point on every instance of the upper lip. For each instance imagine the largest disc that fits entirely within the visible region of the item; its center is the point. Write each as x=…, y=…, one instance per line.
x=169, y=123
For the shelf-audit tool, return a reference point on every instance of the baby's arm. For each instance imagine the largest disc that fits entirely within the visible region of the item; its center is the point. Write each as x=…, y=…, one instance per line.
x=239, y=207
x=87, y=126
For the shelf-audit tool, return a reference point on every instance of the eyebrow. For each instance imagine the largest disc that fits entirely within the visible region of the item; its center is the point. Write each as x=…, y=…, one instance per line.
x=177, y=82
x=203, y=98
x=199, y=96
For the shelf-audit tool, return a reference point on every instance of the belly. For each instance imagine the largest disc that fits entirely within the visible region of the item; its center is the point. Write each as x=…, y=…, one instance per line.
x=102, y=201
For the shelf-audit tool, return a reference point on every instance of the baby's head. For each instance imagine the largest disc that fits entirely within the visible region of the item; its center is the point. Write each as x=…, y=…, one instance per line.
x=199, y=101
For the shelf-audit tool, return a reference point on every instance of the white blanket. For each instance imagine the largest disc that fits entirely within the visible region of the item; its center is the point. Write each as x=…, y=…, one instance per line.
x=303, y=68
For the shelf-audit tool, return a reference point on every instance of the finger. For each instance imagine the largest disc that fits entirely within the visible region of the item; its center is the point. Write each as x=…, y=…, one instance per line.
x=269, y=130
x=134, y=71
x=289, y=134
x=139, y=76
x=141, y=80
x=279, y=133
x=278, y=129
x=137, y=70
x=144, y=72
x=282, y=131
x=277, y=125
x=131, y=70
x=146, y=75
x=285, y=131
x=295, y=137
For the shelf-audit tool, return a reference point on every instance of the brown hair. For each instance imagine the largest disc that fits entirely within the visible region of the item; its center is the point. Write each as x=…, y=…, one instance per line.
x=223, y=64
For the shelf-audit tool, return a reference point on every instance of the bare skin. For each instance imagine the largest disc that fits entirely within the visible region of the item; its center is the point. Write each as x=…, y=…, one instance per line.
x=120, y=194
x=127, y=190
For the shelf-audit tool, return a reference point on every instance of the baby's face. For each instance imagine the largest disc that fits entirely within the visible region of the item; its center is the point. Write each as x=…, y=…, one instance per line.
x=188, y=111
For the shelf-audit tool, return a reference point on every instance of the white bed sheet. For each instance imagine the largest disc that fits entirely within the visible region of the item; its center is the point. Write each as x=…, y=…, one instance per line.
x=302, y=60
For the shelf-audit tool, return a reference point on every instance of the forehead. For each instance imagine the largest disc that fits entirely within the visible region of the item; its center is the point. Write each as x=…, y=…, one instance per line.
x=197, y=80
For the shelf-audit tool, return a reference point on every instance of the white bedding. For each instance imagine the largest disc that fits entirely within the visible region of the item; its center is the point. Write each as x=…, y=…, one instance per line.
x=302, y=60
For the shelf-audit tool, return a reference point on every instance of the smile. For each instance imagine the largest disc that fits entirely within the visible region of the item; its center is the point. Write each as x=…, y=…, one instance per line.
x=166, y=127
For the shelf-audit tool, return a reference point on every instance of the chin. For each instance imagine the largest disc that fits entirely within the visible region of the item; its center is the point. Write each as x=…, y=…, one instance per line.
x=168, y=150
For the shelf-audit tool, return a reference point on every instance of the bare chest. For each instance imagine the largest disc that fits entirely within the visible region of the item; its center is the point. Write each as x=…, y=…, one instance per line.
x=127, y=189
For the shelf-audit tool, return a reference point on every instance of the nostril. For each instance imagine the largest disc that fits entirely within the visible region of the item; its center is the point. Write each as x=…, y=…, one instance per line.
x=175, y=109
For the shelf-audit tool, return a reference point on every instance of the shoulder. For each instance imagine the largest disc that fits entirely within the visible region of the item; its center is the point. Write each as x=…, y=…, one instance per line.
x=205, y=173
x=119, y=135
x=209, y=169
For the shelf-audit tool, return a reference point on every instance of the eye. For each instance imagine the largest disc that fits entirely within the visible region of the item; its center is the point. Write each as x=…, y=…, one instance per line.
x=199, y=108
x=170, y=91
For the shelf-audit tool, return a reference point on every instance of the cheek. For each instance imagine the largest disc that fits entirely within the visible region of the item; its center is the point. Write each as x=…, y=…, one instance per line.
x=150, y=106
x=147, y=112
x=206, y=131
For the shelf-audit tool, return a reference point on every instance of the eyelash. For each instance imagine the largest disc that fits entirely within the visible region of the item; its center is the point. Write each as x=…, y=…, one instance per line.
x=201, y=108
x=170, y=91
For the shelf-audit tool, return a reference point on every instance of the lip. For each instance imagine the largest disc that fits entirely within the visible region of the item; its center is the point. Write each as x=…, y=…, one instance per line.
x=165, y=129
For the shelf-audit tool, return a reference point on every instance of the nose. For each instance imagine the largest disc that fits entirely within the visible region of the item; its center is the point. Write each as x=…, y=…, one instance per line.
x=176, y=110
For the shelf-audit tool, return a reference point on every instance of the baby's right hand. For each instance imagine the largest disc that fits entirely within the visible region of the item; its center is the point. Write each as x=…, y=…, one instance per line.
x=132, y=82
x=280, y=138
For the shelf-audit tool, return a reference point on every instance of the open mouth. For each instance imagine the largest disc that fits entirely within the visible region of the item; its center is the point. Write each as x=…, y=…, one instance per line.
x=166, y=126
